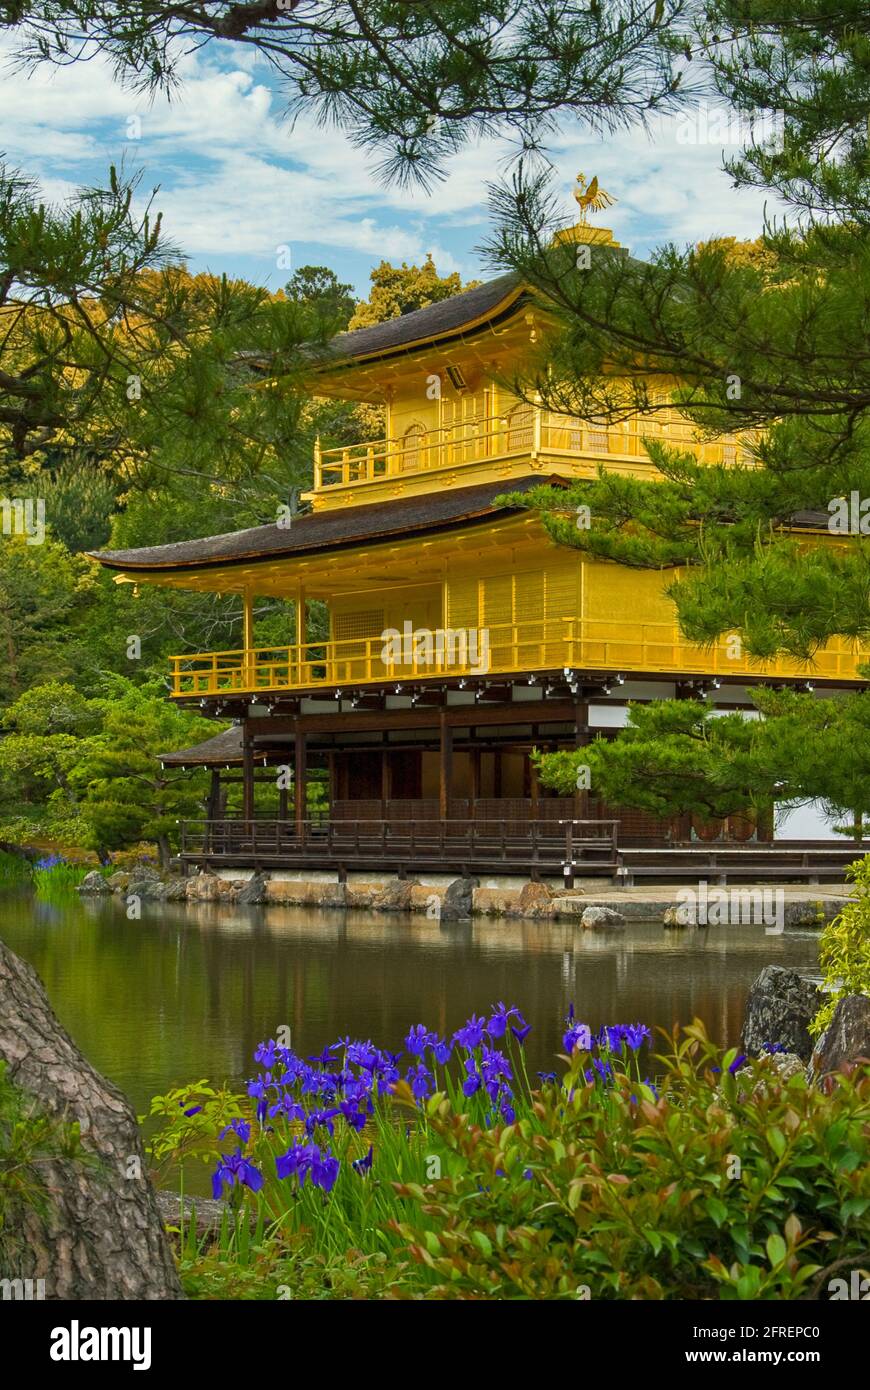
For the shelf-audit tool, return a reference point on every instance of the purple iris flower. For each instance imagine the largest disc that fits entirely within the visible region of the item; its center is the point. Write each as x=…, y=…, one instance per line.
x=306, y=1160
x=419, y=1039
x=441, y=1050
x=363, y=1055
x=737, y=1063
x=355, y=1117
x=240, y=1128
x=578, y=1035
x=421, y=1081
x=363, y=1165
x=266, y=1054
x=321, y=1118
x=193, y=1110
x=234, y=1169
x=500, y=1018
x=471, y=1034
x=473, y=1080
x=521, y=1032
x=768, y=1047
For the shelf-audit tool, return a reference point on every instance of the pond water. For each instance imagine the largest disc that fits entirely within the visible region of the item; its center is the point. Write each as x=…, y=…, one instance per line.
x=188, y=991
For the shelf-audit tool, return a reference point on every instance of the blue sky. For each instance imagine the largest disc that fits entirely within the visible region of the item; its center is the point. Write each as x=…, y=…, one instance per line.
x=237, y=181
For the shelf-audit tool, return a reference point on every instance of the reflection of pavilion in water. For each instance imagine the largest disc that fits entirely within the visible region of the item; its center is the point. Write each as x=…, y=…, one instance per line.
x=325, y=974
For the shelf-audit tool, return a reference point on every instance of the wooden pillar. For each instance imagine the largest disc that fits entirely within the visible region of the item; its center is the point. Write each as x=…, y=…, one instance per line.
x=247, y=776
x=581, y=739
x=386, y=780
x=301, y=636
x=299, y=781
x=248, y=638
x=388, y=428
x=534, y=789
x=475, y=775
x=446, y=768
x=282, y=802
x=213, y=805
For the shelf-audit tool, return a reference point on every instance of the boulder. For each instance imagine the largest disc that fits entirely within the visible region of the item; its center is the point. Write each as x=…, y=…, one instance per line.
x=678, y=916
x=601, y=919
x=535, y=900
x=118, y=881
x=788, y=1064
x=846, y=1038
x=142, y=871
x=254, y=891
x=779, y=1009
x=395, y=896
x=146, y=889
x=94, y=883
x=805, y=914
x=458, y=900
x=209, y=888
x=176, y=891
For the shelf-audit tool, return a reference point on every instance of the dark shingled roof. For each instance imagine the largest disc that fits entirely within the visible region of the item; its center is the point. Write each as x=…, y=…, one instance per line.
x=329, y=530
x=435, y=320
x=225, y=747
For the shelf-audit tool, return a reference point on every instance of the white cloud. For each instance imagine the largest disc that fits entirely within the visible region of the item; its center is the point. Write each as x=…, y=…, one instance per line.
x=237, y=179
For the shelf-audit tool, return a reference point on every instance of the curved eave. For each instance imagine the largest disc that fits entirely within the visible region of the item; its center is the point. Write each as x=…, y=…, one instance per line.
x=406, y=519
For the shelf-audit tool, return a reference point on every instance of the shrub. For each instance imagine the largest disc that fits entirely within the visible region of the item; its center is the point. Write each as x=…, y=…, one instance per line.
x=734, y=1185
x=844, y=948
x=721, y=1179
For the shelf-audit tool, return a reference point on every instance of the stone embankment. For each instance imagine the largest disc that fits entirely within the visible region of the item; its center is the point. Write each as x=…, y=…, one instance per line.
x=594, y=907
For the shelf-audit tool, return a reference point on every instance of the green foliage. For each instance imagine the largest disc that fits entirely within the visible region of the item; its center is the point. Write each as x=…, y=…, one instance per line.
x=721, y=1186
x=398, y=290
x=89, y=768
x=385, y=75
x=46, y=596
x=674, y=757
x=54, y=879
x=320, y=289
x=14, y=870
x=126, y=795
x=844, y=948
x=722, y=1180
x=678, y=757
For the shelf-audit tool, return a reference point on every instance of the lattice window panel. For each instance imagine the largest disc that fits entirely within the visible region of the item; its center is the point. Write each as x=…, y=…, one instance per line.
x=366, y=623
x=520, y=428
x=358, y=656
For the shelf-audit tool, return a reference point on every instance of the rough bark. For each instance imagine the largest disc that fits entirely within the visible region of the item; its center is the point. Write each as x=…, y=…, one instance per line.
x=103, y=1237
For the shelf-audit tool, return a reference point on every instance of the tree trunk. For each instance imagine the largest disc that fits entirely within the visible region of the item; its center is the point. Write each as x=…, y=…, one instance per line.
x=103, y=1237
x=163, y=851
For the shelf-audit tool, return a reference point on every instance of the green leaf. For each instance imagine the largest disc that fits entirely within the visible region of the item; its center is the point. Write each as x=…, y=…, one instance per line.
x=483, y=1243
x=776, y=1249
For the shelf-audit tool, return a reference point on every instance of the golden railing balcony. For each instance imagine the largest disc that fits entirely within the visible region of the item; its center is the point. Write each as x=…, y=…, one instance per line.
x=506, y=649
x=526, y=431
